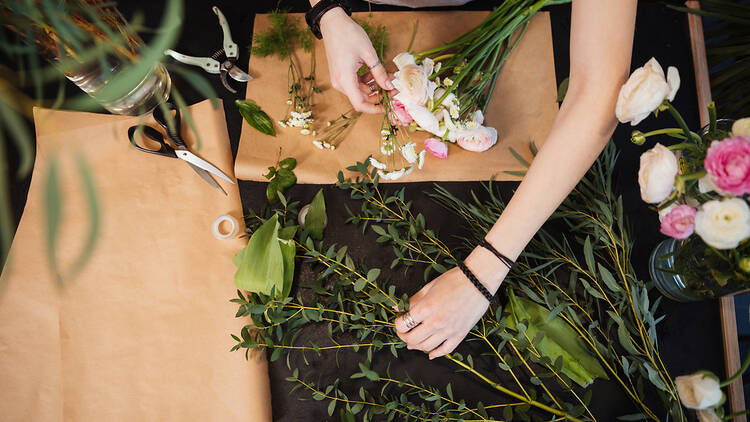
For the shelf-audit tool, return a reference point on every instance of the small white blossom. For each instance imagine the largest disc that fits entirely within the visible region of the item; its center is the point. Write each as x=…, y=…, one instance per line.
x=448, y=82
x=394, y=175
x=387, y=148
x=318, y=144
x=438, y=65
x=289, y=102
x=282, y=124
x=420, y=161
x=305, y=131
x=377, y=164
x=409, y=152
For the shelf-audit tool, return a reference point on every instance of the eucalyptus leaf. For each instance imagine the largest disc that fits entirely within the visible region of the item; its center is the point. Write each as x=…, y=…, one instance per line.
x=256, y=117
x=560, y=340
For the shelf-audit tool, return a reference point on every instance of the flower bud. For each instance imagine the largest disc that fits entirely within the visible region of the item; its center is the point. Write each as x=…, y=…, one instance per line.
x=700, y=390
x=637, y=137
x=745, y=264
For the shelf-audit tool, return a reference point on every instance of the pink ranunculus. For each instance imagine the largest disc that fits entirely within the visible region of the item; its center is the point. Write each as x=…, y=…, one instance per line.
x=728, y=164
x=477, y=139
x=679, y=223
x=436, y=147
x=398, y=115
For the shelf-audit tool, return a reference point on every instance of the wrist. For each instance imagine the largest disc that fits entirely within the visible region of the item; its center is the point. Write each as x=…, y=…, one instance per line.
x=331, y=19
x=487, y=268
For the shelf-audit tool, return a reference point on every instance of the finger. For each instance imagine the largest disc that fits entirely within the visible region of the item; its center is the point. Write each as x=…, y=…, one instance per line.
x=431, y=343
x=401, y=326
x=416, y=335
x=350, y=87
x=445, y=348
x=377, y=69
x=372, y=97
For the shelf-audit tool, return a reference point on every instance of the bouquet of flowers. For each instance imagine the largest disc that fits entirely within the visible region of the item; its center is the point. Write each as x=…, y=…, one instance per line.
x=445, y=90
x=699, y=185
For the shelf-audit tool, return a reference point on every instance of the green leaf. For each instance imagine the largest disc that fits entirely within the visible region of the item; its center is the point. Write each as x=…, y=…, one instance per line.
x=560, y=340
x=288, y=163
x=624, y=337
x=609, y=279
x=285, y=178
x=373, y=275
x=260, y=265
x=562, y=90
x=315, y=220
x=256, y=117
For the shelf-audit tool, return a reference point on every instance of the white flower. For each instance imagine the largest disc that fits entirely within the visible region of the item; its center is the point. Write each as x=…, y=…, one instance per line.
x=699, y=390
x=282, y=124
x=723, y=224
x=657, y=172
x=741, y=127
x=387, y=148
x=395, y=175
x=423, y=117
x=438, y=65
x=477, y=117
x=318, y=144
x=409, y=152
x=420, y=161
x=428, y=66
x=404, y=59
x=305, y=131
x=645, y=90
x=448, y=82
x=705, y=185
x=377, y=164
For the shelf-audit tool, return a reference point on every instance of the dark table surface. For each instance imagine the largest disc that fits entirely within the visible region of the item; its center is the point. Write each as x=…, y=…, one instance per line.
x=690, y=335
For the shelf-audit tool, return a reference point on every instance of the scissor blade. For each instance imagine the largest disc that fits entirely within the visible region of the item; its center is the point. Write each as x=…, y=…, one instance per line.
x=201, y=163
x=207, y=177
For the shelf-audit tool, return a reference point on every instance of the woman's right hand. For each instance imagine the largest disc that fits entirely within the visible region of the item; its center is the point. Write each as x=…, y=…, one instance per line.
x=347, y=49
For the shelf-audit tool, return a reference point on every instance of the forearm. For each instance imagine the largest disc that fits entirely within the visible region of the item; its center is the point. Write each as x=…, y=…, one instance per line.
x=599, y=67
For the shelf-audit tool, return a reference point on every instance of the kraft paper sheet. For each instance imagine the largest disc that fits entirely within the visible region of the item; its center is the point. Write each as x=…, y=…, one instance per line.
x=522, y=108
x=143, y=333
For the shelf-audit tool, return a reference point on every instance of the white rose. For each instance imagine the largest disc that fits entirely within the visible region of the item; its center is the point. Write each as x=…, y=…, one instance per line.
x=723, y=224
x=741, y=127
x=699, y=390
x=422, y=116
x=477, y=139
x=645, y=90
x=657, y=172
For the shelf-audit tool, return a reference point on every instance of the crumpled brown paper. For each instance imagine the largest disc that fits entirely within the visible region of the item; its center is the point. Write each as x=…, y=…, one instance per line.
x=143, y=333
x=522, y=108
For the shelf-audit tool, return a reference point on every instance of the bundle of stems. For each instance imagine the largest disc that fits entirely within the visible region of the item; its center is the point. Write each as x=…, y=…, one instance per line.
x=471, y=62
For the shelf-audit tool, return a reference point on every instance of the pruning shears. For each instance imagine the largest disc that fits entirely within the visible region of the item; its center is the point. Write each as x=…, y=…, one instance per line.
x=211, y=64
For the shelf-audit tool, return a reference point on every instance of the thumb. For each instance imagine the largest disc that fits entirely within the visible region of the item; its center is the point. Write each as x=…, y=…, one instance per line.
x=377, y=69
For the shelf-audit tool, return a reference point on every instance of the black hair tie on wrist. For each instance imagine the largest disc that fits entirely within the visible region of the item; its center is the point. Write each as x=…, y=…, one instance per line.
x=507, y=261
x=475, y=281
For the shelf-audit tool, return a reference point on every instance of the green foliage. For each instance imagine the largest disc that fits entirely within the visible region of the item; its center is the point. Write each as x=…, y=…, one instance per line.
x=280, y=39
x=315, y=220
x=281, y=178
x=266, y=264
x=255, y=117
x=554, y=338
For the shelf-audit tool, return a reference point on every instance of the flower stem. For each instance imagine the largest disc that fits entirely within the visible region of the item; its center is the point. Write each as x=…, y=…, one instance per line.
x=739, y=373
x=678, y=117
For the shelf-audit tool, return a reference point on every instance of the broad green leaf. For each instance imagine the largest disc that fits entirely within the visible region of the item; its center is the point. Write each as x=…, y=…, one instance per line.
x=261, y=263
x=288, y=251
x=256, y=117
x=315, y=220
x=560, y=340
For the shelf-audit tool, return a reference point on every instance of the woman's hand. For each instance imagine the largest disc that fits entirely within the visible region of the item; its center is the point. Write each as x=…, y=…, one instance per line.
x=448, y=307
x=347, y=49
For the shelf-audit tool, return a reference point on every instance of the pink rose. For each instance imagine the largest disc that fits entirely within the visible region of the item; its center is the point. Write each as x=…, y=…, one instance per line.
x=436, y=147
x=398, y=115
x=477, y=139
x=728, y=164
x=679, y=223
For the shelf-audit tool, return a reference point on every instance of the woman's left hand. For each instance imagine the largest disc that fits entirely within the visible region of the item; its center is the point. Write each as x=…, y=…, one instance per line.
x=447, y=308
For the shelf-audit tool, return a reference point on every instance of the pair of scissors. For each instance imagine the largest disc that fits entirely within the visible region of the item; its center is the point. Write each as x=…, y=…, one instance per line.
x=180, y=149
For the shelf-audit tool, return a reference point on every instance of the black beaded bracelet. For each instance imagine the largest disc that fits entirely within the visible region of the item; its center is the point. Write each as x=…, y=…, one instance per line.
x=483, y=290
x=505, y=260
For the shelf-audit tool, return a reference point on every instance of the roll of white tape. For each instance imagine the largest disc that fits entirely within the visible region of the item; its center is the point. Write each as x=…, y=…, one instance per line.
x=232, y=231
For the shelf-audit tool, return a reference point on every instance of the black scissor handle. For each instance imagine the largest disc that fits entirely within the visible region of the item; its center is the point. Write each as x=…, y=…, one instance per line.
x=153, y=134
x=161, y=119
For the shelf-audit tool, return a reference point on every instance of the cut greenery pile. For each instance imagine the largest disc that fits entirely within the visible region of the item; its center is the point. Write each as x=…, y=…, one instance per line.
x=574, y=311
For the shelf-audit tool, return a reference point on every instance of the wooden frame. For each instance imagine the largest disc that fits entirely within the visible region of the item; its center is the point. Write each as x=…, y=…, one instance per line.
x=736, y=394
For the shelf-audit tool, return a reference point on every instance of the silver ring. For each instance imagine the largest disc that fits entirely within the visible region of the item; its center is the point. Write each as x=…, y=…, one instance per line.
x=409, y=321
x=378, y=63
